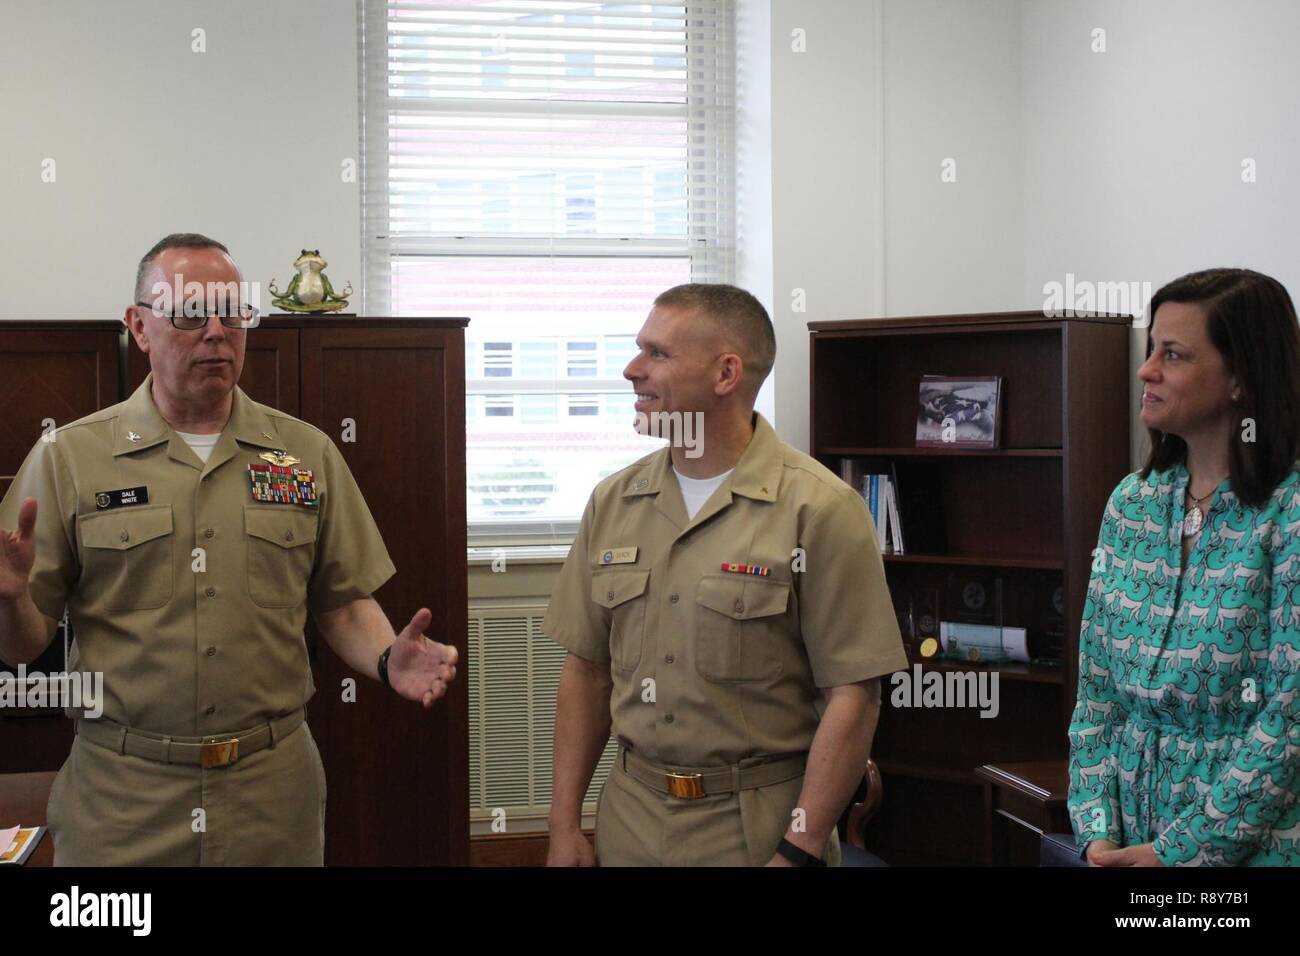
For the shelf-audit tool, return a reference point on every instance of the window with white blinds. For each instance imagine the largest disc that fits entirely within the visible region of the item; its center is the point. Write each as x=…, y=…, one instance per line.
x=545, y=169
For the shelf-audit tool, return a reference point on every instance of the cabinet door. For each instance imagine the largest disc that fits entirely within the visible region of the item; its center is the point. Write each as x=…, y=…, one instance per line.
x=47, y=375
x=270, y=373
x=50, y=375
x=398, y=775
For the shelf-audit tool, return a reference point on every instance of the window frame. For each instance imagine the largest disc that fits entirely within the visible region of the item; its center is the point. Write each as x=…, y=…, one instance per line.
x=707, y=245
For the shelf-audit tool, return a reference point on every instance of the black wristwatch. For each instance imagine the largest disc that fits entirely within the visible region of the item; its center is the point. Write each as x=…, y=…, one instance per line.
x=797, y=856
x=383, y=666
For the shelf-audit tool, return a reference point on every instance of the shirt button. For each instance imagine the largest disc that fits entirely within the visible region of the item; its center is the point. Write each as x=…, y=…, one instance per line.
x=609, y=596
x=674, y=598
x=668, y=719
x=288, y=536
x=211, y=592
x=210, y=711
x=740, y=607
x=124, y=536
x=669, y=659
x=212, y=652
x=209, y=533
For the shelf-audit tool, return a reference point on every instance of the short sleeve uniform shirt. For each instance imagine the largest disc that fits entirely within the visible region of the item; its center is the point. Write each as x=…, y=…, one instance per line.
x=719, y=631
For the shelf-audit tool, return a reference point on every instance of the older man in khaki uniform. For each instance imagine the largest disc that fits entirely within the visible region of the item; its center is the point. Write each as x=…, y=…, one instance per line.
x=188, y=531
x=726, y=615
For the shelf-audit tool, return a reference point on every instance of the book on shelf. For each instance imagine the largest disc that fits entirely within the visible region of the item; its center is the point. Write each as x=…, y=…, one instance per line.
x=891, y=504
x=878, y=491
x=907, y=514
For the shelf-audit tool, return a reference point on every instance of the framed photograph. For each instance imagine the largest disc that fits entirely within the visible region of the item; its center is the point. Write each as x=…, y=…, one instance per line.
x=959, y=412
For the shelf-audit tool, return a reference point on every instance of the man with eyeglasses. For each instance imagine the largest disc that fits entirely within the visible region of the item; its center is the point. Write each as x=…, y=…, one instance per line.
x=188, y=531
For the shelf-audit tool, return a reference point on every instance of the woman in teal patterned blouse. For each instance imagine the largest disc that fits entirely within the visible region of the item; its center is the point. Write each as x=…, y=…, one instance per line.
x=1185, y=739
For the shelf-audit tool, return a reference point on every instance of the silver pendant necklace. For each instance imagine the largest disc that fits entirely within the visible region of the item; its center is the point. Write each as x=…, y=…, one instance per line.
x=1193, y=519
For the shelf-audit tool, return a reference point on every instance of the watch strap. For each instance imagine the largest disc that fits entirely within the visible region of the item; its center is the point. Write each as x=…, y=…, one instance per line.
x=796, y=855
x=383, y=666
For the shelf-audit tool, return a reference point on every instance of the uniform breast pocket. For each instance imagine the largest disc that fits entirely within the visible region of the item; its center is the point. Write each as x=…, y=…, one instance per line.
x=281, y=543
x=623, y=594
x=741, y=632
x=127, y=557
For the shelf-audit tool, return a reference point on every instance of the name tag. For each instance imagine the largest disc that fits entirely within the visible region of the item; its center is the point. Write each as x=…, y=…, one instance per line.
x=122, y=498
x=618, y=556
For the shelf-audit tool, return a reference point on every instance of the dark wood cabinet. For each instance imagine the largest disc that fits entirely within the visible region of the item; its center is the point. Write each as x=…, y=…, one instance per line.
x=1023, y=517
x=398, y=775
x=51, y=373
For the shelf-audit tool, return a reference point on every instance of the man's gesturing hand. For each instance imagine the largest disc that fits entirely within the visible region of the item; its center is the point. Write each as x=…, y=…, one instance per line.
x=418, y=668
x=18, y=553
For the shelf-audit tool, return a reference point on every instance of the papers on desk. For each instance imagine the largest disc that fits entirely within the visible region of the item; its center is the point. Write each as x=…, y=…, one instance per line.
x=17, y=844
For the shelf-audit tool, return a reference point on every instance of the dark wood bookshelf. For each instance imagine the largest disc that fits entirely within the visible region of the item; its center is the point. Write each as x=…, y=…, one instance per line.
x=929, y=772
x=1021, y=520
x=1014, y=671
x=945, y=452
x=977, y=560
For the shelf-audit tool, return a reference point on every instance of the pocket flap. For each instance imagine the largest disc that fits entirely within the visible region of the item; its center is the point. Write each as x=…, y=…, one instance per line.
x=281, y=525
x=612, y=588
x=742, y=597
x=124, y=528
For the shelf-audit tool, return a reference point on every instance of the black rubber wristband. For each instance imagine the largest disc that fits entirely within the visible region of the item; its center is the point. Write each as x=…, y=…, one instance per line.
x=383, y=666
x=797, y=856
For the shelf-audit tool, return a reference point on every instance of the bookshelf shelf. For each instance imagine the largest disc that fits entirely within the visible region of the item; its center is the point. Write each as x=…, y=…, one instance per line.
x=922, y=772
x=905, y=452
x=1027, y=672
x=977, y=560
x=1000, y=519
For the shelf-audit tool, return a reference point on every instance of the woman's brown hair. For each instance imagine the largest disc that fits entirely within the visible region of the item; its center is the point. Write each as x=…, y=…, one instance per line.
x=1251, y=320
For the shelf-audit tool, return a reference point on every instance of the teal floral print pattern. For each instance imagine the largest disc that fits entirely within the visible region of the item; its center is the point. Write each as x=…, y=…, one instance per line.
x=1185, y=733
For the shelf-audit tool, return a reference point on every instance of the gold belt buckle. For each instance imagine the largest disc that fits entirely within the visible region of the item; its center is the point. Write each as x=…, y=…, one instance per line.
x=685, y=786
x=219, y=753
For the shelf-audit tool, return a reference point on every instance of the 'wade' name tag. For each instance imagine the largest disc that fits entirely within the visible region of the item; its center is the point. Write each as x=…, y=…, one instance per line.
x=618, y=556
x=122, y=498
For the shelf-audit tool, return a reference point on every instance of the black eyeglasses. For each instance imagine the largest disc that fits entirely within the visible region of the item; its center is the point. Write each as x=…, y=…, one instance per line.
x=236, y=317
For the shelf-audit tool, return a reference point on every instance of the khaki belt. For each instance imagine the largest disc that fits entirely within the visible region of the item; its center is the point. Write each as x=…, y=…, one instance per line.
x=694, y=784
x=214, y=750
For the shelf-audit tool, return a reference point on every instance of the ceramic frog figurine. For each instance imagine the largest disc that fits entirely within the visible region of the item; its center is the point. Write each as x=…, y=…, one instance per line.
x=309, y=290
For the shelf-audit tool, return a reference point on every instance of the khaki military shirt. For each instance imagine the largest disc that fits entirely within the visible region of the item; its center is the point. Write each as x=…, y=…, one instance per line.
x=713, y=666
x=192, y=642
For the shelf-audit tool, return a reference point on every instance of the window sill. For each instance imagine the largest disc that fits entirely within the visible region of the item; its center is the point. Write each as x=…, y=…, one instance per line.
x=518, y=554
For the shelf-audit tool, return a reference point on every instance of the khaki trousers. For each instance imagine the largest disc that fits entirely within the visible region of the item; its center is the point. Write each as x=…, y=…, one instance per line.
x=636, y=826
x=268, y=809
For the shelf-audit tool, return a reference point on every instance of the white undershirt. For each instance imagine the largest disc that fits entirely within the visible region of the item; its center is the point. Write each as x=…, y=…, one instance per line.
x=201, y=445
x=696, y=491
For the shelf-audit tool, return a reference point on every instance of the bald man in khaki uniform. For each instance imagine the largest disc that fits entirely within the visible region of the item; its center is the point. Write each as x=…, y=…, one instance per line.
x=188, y=583
x=735, y=653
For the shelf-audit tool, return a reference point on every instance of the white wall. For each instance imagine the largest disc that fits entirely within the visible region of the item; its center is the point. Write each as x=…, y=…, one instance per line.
x=825, y=169
x=754, y=253
x=952, y=91
x=243, y=142
x=884, y=91
x=1133, y=156
x=1123, y=165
